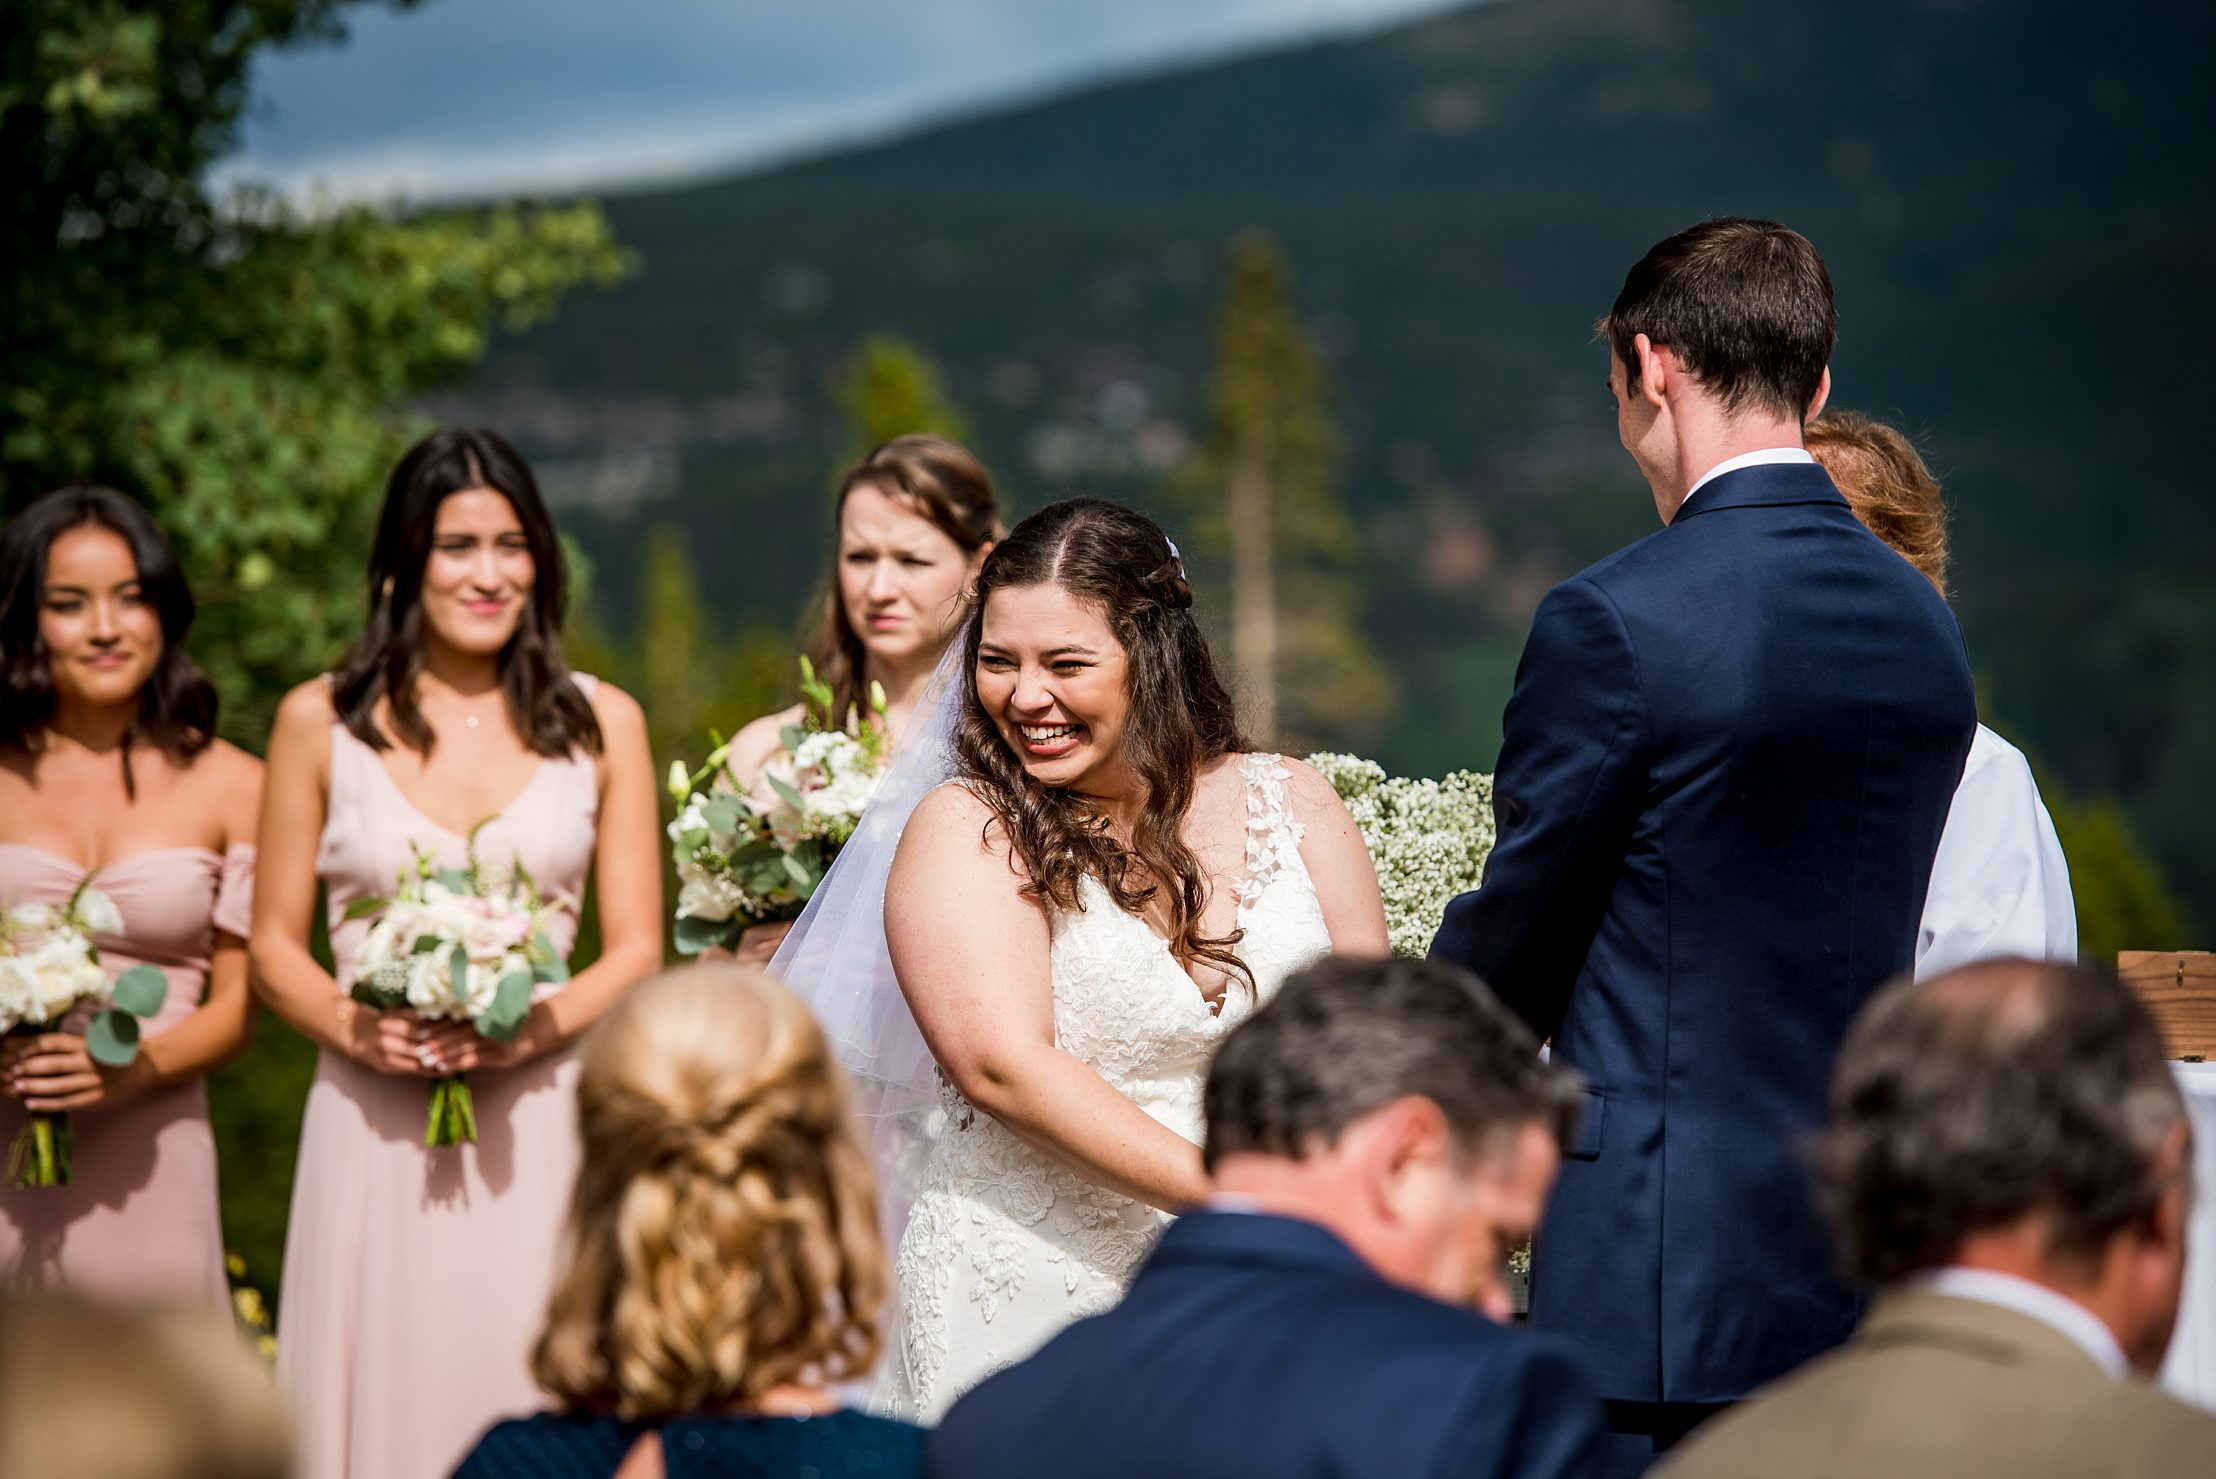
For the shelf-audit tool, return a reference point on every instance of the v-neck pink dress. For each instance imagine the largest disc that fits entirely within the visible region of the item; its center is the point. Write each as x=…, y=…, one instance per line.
x=139, y=1217
x=416, y=1279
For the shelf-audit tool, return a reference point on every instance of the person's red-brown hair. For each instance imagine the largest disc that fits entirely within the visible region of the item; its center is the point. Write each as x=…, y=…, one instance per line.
x=1887, y=485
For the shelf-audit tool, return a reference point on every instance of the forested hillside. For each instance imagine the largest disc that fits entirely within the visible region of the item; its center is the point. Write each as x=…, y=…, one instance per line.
x=2015, y=200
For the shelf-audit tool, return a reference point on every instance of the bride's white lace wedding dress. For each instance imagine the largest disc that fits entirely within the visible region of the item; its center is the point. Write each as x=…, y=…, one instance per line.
x=1005, y=1247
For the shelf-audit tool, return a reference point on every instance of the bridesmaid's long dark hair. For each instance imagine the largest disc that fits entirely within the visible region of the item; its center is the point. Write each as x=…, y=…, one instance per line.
x=1181, y=717
x=548, y=710
x=177, y=707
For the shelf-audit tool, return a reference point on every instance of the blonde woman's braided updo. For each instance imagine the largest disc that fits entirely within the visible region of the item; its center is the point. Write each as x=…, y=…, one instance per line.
x=723, y=1236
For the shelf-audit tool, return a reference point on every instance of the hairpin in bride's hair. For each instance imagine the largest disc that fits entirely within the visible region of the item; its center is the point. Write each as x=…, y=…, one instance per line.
x=1175, y=555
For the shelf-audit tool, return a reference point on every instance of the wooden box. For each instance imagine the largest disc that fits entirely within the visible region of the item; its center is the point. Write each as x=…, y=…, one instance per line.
x=2179, y=987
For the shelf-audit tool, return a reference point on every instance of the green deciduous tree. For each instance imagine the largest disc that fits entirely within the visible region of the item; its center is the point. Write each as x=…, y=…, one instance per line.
x=1270, y=470
x=2122, y=901
x=236, y=363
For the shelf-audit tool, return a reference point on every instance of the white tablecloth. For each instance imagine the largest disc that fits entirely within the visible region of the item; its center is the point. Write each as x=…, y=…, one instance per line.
x=2191, y=1370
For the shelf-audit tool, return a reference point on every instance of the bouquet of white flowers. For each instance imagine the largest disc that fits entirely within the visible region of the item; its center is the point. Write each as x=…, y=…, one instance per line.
x=740, y=863
x=1429, y=839
x=459, y=944
x=48, y=967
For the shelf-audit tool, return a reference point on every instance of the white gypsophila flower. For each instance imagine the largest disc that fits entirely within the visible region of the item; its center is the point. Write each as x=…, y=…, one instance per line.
x=1428, y=840
x=98, y=914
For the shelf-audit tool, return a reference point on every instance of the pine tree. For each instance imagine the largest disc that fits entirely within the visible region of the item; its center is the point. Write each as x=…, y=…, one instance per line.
x=689, y=680
x=1272, y=459
x=893, y=390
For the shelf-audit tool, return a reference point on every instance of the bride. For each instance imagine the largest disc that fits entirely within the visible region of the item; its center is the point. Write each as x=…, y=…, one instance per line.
x=1109, y=882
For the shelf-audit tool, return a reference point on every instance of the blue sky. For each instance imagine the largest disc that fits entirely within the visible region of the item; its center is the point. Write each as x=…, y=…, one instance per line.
x=479, y=96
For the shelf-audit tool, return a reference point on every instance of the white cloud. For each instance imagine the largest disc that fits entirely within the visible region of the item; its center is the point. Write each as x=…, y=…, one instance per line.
x=467, y=97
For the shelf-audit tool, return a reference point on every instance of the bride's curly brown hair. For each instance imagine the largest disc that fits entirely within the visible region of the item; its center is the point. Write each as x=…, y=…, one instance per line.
x=1180, y=718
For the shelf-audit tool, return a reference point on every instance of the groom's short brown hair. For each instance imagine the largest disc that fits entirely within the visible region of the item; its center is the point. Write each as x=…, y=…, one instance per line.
x=1745, y=304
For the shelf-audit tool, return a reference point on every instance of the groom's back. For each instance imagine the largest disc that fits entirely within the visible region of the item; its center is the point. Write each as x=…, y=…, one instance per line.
x=1807, y=706
x=1257, y=1346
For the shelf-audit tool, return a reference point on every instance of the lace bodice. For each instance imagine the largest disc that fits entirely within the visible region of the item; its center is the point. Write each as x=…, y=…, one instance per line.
x=1005, y=1246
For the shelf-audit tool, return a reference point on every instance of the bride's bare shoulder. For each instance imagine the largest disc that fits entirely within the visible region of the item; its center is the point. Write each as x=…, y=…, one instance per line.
x=952, y=824
x=952, y=860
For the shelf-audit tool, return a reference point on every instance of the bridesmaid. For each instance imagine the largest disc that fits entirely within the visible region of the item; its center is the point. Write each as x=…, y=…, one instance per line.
x=415, y=1278
x=916, y=518
x=110, y=772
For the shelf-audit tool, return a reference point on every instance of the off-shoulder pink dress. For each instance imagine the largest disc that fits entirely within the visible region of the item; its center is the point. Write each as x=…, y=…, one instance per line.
x=139, y=1217
x=416, y=1279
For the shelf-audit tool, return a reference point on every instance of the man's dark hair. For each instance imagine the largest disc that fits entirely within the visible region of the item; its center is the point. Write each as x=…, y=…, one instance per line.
x=1996, y=1092
x=1746, y=306
x=1351, y=1034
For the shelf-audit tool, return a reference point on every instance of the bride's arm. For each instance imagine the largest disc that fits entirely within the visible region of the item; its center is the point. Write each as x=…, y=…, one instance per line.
x=971, y=955
x=1338, y=863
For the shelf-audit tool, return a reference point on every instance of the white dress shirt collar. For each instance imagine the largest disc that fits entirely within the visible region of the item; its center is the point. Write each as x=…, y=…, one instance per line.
x=1766, y=457
x=2057, y=1311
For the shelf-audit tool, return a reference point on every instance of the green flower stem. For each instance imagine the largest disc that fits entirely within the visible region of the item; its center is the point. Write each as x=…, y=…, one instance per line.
x=40, y=1155
x=453, y=1115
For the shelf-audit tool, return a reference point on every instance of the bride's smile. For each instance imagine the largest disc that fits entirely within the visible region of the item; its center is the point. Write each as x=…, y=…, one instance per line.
x=1051, y=674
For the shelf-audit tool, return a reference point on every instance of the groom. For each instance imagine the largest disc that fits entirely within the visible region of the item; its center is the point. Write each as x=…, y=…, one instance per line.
x=1722, y=779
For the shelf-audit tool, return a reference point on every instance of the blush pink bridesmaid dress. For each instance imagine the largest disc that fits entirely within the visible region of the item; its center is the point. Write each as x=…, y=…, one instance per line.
x=416, y=1279
x=139, y=1217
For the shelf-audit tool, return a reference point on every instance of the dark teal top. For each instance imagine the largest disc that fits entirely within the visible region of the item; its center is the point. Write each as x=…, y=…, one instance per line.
x=838, y=1445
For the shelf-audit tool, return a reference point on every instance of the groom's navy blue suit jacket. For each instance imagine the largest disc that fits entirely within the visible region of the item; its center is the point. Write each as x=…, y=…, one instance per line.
x=1722, y=780
x=1257, y=1347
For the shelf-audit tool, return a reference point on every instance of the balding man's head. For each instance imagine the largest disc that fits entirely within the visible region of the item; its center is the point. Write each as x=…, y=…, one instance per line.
x=2006, y=1090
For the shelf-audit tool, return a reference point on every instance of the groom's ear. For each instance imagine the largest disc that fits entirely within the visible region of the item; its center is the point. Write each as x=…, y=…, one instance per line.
x=1823, y=397
x=1655, y=361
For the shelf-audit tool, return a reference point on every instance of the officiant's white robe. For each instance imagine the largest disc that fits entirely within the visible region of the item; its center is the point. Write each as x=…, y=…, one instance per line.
x=2000, y=885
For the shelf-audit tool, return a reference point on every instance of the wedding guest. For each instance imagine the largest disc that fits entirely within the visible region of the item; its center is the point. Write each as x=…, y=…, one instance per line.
x=1111, y=879
x=1380, y=1136
x=724, y=1271
x=2000, y=885
x=1722, y=779
x=93, y=1390
x=111, y=775
x=413, y=1276
x=2009, y=1165
x=915, y=519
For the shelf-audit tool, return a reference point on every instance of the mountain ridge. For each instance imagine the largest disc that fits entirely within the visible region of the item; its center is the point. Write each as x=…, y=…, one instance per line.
x=2010, y=196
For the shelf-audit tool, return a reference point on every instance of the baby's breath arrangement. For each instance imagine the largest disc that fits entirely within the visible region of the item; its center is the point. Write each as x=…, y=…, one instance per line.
x=1429, y=839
